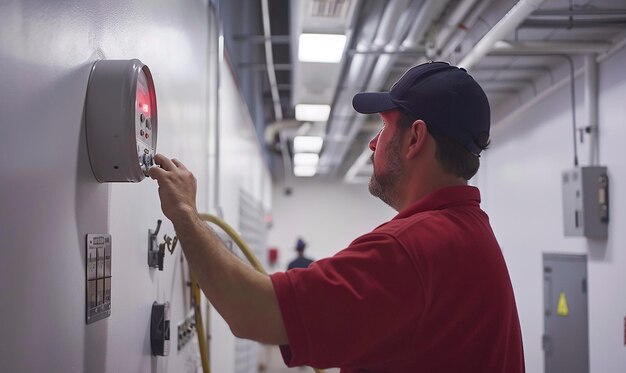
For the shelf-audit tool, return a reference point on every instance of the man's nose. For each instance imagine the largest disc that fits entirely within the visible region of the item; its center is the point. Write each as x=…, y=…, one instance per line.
x=373, y=142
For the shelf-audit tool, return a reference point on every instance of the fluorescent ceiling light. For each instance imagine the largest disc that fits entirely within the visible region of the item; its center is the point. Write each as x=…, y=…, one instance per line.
x=307, y=144
x=321, y=47
x=312, y=113
x=306, y=159
x=304, y=171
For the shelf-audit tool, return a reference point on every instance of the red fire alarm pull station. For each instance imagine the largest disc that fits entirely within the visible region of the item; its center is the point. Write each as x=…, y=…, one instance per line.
x=272, y=255
x=121, y=120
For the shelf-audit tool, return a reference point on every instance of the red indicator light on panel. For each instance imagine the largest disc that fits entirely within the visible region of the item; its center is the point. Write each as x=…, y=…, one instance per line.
x=145, y=108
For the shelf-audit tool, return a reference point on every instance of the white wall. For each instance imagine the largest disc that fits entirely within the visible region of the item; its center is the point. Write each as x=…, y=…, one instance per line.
x=50, y=200
x=520, y=179
x=241, y=169
x=327, y=215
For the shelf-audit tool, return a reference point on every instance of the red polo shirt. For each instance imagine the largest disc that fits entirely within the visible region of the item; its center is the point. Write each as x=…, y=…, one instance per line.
x=428, y=291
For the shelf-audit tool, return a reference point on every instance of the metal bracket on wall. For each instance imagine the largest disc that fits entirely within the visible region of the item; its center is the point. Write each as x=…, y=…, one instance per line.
x=153, y=251
x=156, y=251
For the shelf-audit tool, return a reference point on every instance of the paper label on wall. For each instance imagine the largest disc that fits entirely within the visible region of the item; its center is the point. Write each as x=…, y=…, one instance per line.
x=561, y=308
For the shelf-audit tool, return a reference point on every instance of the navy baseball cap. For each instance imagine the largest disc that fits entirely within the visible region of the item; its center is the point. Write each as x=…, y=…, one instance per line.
x=444, y=96
x=300, y=244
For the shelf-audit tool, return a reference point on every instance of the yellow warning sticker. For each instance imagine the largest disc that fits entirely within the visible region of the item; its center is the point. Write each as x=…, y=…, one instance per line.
x=561, y=308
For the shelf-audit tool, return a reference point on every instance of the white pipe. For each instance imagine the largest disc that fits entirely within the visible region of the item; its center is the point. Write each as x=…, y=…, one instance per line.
x=506, y=25
x=452, y=22
x=269, y=60
x=460, y=33
x=389, y=21
x=272, y=129
x=549, y=47
x=591, y=100
x=430, y=10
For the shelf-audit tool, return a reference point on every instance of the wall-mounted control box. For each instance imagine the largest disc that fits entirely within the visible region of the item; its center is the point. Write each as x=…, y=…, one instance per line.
x=98, y=299
x=586, y=202
x=160, y=329
x=121, y=120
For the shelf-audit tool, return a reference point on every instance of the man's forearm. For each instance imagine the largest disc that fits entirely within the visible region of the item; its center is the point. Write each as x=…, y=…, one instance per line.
x=244, y=297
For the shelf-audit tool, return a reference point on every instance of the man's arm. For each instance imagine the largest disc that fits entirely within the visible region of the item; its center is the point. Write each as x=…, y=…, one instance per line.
x=244, y=297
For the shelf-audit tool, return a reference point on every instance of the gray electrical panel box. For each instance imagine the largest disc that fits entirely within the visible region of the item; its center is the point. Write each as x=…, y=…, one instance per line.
x=586, y=202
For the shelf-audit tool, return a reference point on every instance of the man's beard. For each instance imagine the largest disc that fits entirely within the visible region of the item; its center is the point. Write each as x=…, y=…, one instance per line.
x=384, y=185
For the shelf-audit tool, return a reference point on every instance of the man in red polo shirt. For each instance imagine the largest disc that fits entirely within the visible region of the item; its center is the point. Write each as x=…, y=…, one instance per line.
x=428, y=291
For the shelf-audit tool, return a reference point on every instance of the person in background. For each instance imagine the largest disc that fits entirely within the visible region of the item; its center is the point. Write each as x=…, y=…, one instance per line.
x=427, y=291
x=301, y=261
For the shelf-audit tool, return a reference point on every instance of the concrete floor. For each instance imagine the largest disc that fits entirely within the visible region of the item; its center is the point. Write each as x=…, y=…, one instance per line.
x=270, y=361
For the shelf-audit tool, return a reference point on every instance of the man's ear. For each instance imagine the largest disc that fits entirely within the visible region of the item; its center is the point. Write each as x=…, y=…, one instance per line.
x=417, y=138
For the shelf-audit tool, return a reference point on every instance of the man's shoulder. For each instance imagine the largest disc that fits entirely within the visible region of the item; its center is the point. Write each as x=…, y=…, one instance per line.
x=396, y=232
x=408, y=224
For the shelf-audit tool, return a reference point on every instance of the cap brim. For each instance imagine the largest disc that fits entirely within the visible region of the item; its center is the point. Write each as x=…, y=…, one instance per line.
x=372, y=102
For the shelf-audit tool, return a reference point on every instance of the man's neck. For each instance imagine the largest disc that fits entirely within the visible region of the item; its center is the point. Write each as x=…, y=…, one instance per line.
x=420, y=187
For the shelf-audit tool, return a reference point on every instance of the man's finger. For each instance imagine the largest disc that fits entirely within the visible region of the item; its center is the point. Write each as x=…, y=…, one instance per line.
x=164, y=162
x=156, y=172
x=179, y=164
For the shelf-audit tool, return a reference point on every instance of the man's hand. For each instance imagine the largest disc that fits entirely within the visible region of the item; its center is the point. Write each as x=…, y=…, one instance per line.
x=177, y=187
x=231, y=286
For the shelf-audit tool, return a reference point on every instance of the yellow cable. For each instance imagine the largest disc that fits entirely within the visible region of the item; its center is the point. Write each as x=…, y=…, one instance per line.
x=195, y=291
x=244, y=248
x=238, y=240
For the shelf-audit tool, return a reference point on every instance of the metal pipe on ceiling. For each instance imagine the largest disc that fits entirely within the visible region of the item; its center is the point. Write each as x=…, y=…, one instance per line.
x=451, y=23
x=462, y=29
x=565, y=12
x=576, y=23
x=408, y=52
x=507, y=48
x=526, y=68
x=430, y=9
x=258, y=39
x=388, y=23
x=505, y=26
x=269, y=59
